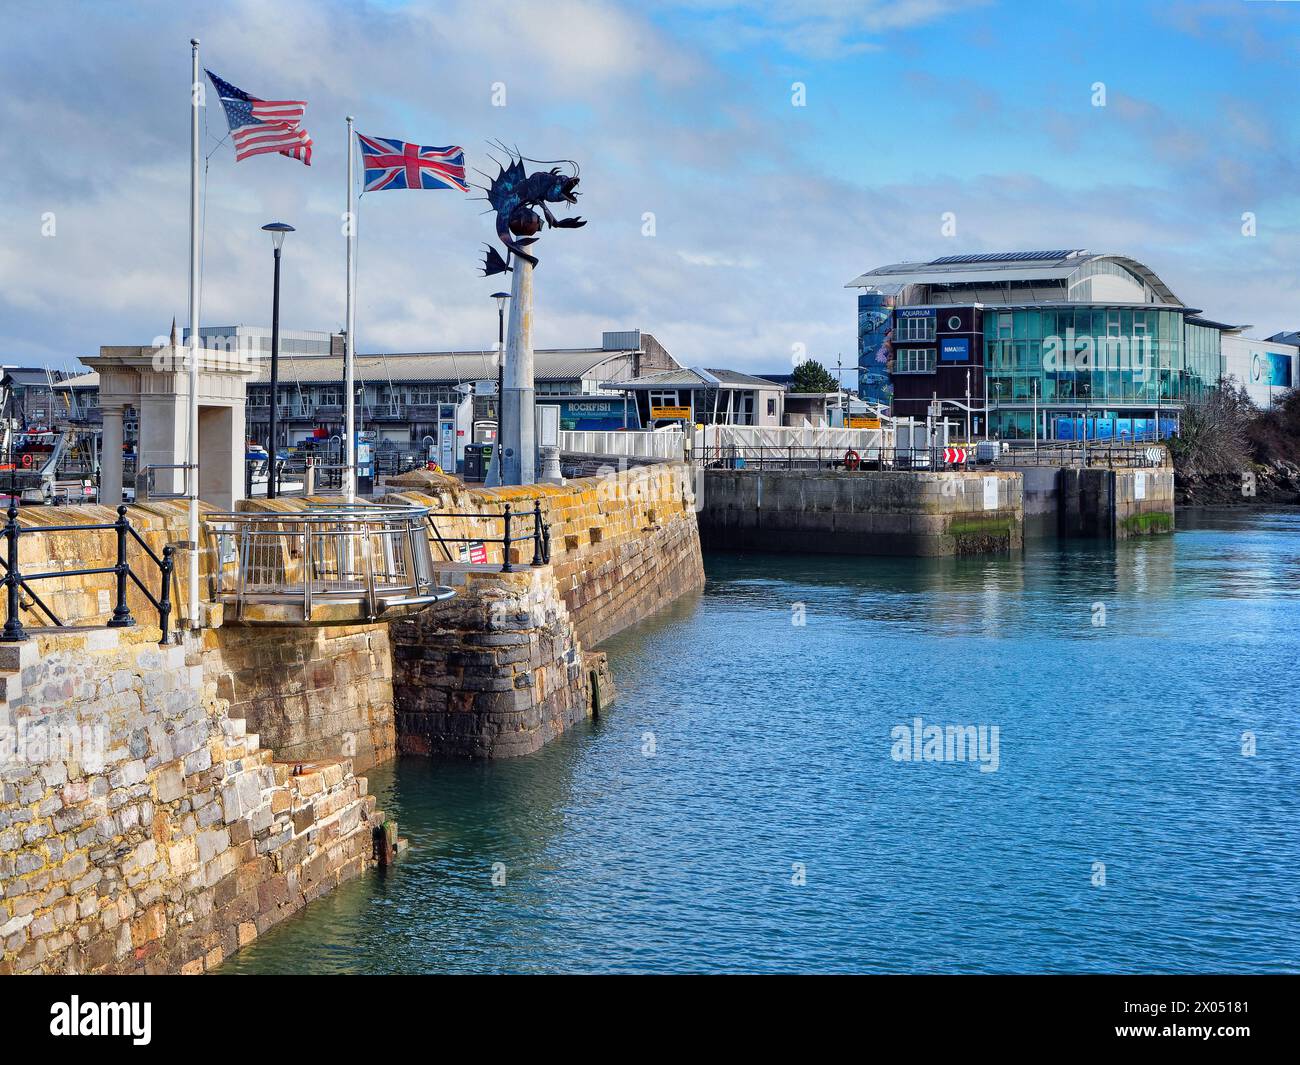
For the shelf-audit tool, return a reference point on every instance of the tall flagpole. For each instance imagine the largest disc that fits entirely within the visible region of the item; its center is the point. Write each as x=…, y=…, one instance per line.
x=192, y=450
x=349, y=400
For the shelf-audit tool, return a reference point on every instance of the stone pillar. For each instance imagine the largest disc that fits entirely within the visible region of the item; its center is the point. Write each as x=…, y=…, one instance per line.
x=519, y=447
x=110, y=456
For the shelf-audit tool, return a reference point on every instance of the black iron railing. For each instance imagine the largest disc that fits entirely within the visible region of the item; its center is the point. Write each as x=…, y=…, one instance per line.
x=122, y=571
x=540, y=534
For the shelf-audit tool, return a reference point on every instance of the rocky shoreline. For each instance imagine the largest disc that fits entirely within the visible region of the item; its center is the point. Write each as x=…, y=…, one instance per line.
x=1276, y=482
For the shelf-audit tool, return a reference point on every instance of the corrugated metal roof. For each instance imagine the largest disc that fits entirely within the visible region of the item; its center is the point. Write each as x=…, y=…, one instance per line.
x=697, y=377
x=438, y=367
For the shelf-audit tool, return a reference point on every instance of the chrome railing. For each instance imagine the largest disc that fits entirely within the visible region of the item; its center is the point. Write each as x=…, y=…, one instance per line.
x=373, y=557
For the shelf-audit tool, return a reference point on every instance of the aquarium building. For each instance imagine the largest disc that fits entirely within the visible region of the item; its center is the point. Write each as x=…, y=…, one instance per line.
x=1058, y=344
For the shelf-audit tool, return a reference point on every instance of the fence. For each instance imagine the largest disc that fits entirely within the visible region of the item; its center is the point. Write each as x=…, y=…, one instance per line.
x=15, y=580
x=624, y=443
x=540, y=533
x=802, y=457
x=369, y=555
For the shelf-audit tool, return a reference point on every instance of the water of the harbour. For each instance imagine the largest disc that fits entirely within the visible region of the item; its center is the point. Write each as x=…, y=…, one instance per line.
x=772, y=830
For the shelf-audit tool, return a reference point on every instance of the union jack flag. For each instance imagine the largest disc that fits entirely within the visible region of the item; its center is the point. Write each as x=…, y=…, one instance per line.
x=392, y=164
x=260, y=126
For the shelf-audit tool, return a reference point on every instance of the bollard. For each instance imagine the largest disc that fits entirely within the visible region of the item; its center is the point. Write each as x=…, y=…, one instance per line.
x=121, y=612
x=538, y=557
x=13, y=631
x=505, y=544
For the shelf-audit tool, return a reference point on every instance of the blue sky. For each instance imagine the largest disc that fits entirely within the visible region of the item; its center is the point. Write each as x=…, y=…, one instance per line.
x=762, y=209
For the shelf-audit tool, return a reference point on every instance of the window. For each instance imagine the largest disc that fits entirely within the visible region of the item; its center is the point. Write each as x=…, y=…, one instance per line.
x=914, y=360
x=664, y=398
x=915, y=328
x=771, y=407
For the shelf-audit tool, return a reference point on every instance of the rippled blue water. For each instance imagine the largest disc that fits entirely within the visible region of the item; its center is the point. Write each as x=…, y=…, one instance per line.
x=1119, y=744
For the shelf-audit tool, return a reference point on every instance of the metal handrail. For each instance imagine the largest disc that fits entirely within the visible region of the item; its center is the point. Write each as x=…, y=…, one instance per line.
x=540, y=534
x=373, y=555
x=15, y=579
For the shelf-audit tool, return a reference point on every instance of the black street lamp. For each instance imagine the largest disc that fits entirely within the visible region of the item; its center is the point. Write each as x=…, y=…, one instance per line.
x=278, y=230
x=501, y=298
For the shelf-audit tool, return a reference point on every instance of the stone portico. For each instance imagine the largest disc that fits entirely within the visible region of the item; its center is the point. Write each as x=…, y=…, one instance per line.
x=155, y=381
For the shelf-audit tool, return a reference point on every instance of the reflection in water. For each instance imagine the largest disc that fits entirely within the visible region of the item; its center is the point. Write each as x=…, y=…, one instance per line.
x=1120, y=744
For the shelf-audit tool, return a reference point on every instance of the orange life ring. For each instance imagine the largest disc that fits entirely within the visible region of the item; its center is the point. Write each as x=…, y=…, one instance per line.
x=852, y=460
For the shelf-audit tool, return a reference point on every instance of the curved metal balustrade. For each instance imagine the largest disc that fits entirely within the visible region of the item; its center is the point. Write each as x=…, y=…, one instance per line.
x=324, y=565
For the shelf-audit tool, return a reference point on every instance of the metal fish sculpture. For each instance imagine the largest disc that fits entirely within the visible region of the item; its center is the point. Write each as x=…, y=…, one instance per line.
x=514, y=194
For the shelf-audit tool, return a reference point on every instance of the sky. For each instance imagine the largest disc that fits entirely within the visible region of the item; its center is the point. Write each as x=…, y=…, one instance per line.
x=740, y=162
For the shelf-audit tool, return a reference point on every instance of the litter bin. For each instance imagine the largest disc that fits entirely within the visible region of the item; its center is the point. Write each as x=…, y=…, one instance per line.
x=477, y=459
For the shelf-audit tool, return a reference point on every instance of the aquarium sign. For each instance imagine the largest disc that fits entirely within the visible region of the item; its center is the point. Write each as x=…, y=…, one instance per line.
x=1270, y=368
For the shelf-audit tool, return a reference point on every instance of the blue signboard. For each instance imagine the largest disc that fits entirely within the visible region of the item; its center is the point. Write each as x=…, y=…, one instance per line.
x=594, y=413
x=915, y=312
x=955, y=350
x=1270, y=368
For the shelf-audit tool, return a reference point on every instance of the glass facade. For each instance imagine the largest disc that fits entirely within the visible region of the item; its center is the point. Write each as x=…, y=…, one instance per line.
x=1130, y=358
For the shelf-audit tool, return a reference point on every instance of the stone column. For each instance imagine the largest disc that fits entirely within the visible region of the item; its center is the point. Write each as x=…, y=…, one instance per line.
x=110, y=455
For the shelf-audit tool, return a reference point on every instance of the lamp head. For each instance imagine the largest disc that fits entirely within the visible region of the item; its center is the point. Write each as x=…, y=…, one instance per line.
x=278, y=230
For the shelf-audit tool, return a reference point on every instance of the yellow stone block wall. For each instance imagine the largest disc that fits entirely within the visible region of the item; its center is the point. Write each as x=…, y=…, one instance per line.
x=152, y=832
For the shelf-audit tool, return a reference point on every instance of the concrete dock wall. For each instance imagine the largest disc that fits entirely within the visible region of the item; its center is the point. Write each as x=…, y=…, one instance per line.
x=1116, y=504
x=142, y=829
x=864, y=512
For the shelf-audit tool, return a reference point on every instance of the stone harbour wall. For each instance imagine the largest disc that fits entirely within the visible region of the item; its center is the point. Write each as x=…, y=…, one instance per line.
x=151, y=832
x=507, y=664
x=623, y=544
x=495, y=672
x=309, y=692
x=863, y=513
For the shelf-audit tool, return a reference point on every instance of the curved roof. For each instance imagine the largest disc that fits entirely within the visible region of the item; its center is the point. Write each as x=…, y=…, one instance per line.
x=994, y=267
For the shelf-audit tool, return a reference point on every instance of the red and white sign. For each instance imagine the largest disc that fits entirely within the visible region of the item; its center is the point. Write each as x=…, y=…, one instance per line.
x=474, y=553
x=954, y=456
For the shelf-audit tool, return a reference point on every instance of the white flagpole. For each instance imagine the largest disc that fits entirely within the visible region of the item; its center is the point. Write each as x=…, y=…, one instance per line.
x=349, y=400
x=192, y=451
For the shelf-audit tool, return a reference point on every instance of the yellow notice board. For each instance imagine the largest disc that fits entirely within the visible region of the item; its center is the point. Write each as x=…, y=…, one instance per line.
x=858, y=421
x=670, y=412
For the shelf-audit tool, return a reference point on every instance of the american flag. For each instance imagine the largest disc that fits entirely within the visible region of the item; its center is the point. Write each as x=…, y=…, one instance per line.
x=260, y=126
x=393, y=164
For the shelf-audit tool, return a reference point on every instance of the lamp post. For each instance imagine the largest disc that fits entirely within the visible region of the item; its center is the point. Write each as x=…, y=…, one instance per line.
x=501, y=298
x=278, y=231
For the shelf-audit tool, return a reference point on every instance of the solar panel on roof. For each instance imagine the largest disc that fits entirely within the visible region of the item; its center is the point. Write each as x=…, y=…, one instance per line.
x=1001, y=257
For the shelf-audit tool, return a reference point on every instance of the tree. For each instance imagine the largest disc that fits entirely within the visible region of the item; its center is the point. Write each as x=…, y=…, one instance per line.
x=1213, y=436
x=812, y=376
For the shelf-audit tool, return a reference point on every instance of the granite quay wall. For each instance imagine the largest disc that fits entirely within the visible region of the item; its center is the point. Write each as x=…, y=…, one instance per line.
x=142, y=828
x=507, y=664
x=863, y=512
x=309, y=692
x=495, y=672
x=623, y=545
x=1117, y=504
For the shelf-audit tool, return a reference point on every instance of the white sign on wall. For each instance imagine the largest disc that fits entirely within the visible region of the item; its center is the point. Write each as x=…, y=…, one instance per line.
x=990, y=493
x=1139, y=485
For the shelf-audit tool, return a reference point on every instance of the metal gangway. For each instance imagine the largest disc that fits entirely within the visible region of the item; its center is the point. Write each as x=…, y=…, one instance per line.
x=329, y=564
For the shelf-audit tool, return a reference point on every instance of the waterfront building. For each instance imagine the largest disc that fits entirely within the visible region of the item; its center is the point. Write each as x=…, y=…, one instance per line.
x=694, y=395
x=1057, y=344
x=405, y=397
x=1265, y=368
